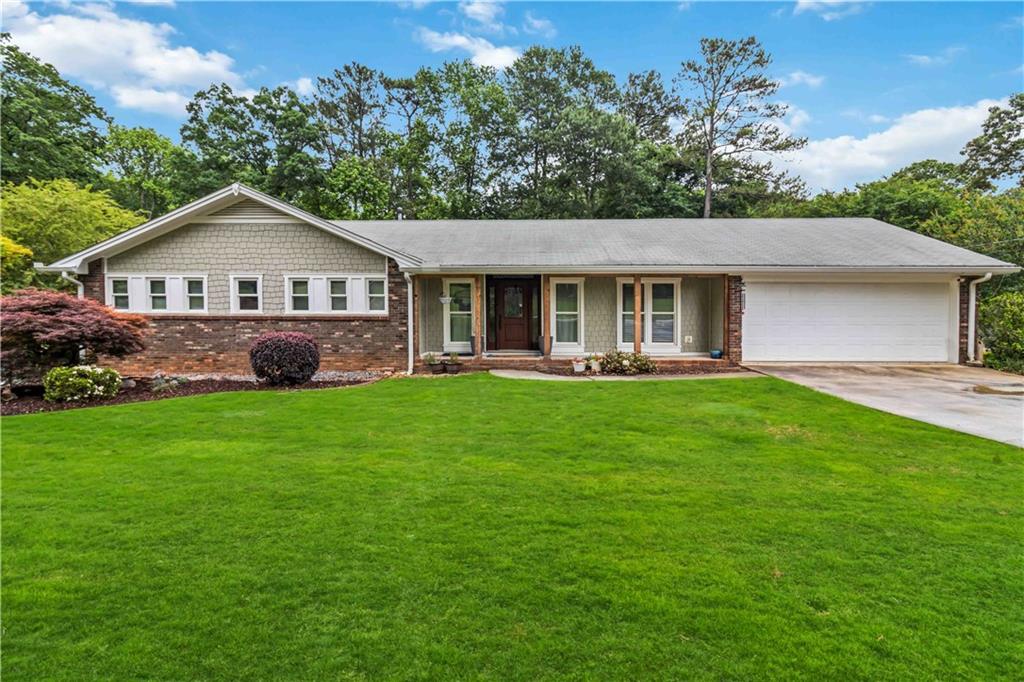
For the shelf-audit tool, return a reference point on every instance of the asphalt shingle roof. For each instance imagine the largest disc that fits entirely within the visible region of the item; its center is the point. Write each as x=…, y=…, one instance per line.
x=725, y=242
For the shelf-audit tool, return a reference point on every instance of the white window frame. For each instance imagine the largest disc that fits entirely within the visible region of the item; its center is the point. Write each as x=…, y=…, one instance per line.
x=647, y=345
x=567, y=348
x=139, y=297
x=357, y=293
x=187, y=295
x=366, y=294
x=233, y=291
x=127, y=293
x=458, y=346
x=166, y=295
x=347, y=296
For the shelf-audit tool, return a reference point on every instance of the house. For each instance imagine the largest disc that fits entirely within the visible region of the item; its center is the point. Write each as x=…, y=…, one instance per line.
x=214, y=274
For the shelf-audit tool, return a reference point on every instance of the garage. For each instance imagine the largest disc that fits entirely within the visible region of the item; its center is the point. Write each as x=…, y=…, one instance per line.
x=849, y=322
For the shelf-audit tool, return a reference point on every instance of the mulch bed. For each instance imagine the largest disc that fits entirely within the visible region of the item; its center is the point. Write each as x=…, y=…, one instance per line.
x=30, y=399
x=662, y=371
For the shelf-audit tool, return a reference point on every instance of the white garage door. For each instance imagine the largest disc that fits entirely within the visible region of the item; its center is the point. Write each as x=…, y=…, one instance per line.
x=836, y=322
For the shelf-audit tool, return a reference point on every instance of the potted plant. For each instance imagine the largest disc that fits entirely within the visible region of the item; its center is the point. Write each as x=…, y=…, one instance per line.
x=579, y=365
x=453, y=364
x=716, y=354
x=594, y=361
x=435, y=365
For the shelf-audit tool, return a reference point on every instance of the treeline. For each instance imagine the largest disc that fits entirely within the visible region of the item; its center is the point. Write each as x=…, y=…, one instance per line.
x=552, y=136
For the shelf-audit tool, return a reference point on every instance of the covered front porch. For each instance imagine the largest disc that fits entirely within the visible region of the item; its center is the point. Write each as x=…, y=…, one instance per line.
x=514, y=320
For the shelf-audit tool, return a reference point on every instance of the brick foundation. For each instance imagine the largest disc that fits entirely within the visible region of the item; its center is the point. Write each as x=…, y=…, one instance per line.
x=734, y=319
x=190, y=344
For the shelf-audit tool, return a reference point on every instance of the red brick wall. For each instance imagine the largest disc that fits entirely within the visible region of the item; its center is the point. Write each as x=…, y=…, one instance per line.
x=93, y=282
x=734, y=318
x=207, y=343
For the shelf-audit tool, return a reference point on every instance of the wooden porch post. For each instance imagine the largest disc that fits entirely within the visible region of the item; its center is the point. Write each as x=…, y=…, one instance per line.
x=725, y=316
x=414, y=315
x=545, y=312
x=638, y=330
x=478, y=308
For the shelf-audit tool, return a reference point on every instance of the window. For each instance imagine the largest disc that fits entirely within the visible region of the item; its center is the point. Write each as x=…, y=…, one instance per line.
x=567, y=322
x=299, y=295
x=626, y=324
x=158, y=294
x=458, y=313
x=195, y=291
x=375, y=296
x=119, y=294
x=246, y=294
x=659, y=317
x=663, y=312
x=338, y=291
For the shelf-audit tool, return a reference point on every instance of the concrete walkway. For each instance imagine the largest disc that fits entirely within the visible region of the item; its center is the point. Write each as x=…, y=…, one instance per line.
x=974, y=400
x=541, y=376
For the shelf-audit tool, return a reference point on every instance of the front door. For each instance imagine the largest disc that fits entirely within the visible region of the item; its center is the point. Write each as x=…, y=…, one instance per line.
x=513, y=300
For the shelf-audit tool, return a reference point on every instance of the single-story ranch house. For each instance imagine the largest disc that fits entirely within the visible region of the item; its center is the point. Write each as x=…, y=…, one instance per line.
x=214, y=274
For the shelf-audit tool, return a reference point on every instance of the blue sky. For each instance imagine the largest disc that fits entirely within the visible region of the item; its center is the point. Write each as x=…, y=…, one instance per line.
x=872, y=85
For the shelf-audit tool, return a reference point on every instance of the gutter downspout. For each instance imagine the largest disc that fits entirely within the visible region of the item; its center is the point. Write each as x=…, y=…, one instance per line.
x=81, y=287
x=409, y=312
x=972, y=306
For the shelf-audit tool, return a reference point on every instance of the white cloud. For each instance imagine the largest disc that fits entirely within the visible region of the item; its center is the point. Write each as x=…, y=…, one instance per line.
x=941, y=59
x=838, y=162
x=148, y=99
x=683, y=6
x=801, y=78
x=481, y=51
x=829, y=10
x=538, y=26
x=485, y=15
x=161, y=3
x=303, y=87
x=133, y=57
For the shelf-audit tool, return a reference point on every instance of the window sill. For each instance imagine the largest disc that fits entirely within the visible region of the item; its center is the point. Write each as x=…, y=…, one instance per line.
x=263, y=317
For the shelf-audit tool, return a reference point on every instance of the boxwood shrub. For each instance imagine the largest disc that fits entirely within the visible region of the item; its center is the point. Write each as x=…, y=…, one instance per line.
x=65, y=384
x=1001, y=322
x=284, y=358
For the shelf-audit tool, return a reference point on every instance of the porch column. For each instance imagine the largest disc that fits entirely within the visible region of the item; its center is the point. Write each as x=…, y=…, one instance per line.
x=545, y=313
x=478, y=317
x=638, y=329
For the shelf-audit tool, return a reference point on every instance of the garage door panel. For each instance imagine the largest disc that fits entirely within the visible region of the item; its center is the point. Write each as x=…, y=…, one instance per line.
x=819, y=321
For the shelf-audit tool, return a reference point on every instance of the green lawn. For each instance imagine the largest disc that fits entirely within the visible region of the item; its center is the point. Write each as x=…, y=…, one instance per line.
x=475, y=527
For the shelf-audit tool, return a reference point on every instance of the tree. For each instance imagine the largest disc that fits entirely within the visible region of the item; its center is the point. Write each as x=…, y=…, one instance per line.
x=355, y=191
x=55, y=218
x=295, y=173
x=50, y=127
x=140, y=160
x=999, y=151
x=15, y=265
x=45, y=329
x=351, y=111
x=648, y=106
x=725, y=98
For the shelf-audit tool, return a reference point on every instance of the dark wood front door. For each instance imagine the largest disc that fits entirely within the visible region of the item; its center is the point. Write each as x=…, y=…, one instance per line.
x=513, y=300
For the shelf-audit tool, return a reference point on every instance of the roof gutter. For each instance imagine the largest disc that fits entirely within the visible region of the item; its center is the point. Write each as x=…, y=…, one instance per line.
x=972, y=306
x=81, y=287
x=951, y=270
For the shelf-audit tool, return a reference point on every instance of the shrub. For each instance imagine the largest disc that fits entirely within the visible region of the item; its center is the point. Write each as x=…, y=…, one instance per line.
x=1001, y=323
x=620, y=362
x=284, y=357
x=64, y=384
x=42, y=329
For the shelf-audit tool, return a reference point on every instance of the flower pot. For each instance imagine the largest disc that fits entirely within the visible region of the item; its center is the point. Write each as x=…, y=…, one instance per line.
x=437, y=368
x=579, y=367
x=453, y=367
x=595, y=366
x=445, y=300
x=716, y=354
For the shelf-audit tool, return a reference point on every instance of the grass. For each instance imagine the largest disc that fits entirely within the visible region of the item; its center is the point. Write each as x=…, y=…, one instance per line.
x=475, y=527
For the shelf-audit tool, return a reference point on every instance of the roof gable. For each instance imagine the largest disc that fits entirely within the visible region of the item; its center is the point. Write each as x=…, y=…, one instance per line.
x=236, y=203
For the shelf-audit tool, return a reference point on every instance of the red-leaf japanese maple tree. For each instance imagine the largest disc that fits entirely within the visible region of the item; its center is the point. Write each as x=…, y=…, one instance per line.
x=42, y=329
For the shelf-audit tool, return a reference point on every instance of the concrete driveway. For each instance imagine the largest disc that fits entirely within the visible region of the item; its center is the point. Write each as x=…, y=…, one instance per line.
x=974, y=400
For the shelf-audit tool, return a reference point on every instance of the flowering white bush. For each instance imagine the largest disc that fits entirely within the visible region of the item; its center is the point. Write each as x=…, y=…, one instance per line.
x=64, y=384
